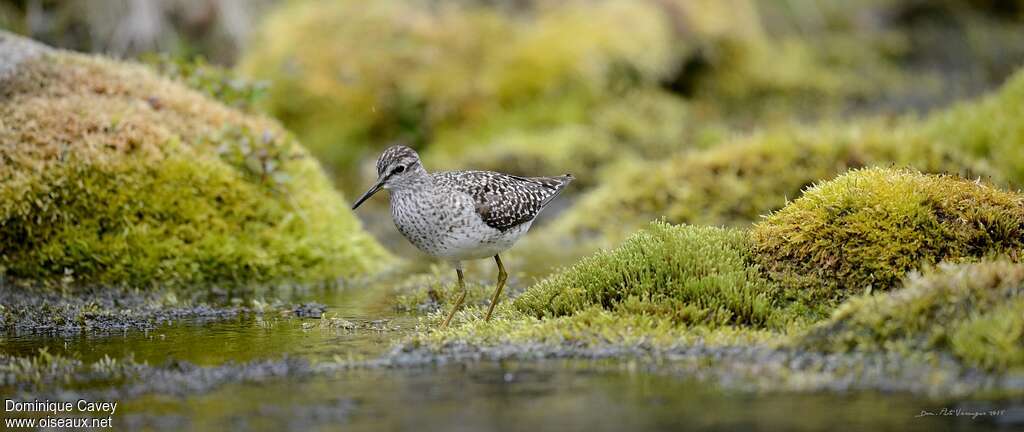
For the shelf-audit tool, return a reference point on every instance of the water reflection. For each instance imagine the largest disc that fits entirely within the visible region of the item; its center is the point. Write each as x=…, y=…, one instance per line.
x=554, y=395
x=240, y=339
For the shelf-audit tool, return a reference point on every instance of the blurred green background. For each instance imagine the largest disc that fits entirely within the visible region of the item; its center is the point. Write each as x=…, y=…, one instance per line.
x=650, y=103
x=787, y=146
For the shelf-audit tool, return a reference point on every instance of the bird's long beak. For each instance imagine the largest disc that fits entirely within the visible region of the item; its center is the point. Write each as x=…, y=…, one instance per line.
x=369, y=193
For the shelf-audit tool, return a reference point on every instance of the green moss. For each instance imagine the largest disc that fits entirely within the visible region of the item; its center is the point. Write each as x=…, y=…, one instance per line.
x=867, y=228
x=589, y=328
x=114, y=175
x=212, y=80
x=992, y=339
x=972, y=311
x=693, y=275
x=989, y=129
x=351, y=78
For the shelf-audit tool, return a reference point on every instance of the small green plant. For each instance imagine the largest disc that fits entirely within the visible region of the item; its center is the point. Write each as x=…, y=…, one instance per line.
x=217, y=82
x=262, y=157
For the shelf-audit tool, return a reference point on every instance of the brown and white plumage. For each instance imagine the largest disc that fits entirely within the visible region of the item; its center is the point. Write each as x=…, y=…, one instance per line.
x=504, y=201
x=461, y=215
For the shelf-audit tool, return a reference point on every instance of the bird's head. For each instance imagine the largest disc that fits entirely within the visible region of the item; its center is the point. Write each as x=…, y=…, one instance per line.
x=397, y=166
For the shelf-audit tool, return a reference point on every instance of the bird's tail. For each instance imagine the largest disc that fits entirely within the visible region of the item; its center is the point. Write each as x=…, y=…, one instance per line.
x=556, y=184
x=553, y=183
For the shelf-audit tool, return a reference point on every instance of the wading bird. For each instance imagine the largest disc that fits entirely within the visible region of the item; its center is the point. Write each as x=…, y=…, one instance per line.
x=461, y=215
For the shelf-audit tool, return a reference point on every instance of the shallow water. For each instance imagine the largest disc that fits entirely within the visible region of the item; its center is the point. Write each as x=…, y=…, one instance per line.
x=244, y=338
x=555, y=395
x=606, y=395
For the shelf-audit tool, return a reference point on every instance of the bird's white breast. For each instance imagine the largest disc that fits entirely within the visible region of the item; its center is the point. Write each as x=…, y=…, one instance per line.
x=444, y=224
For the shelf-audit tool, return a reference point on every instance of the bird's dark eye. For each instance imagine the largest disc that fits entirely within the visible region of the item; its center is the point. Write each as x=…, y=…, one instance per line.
x=398, y=169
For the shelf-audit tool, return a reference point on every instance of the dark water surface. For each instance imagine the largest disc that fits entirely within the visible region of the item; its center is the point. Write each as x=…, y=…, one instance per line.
x=551, y=395
x=605, y=395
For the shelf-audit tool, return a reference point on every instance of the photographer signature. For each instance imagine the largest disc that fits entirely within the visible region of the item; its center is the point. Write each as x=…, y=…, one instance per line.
x=960, y=412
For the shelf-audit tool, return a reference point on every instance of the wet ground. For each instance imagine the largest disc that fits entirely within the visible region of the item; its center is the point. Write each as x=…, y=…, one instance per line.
x=266, y=372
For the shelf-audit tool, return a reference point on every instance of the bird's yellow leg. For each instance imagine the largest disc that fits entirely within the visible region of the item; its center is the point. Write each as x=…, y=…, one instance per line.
x=458, y=302
x=502, y=277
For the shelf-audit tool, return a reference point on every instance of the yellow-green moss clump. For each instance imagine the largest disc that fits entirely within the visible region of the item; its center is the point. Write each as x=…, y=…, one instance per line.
x=113, y=175
x=974, y=311
x=693, y=275
x=866, y=229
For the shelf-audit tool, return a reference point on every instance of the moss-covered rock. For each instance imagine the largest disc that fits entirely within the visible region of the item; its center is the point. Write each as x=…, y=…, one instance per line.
x=114, y=175
x=693, y=275
x=972, y=311
x=866, y=229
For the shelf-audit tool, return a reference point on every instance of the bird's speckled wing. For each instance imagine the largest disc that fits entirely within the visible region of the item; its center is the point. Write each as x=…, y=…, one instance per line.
x=504, y=201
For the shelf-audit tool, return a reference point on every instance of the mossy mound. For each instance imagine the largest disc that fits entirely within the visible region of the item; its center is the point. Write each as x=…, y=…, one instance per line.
x=114, y=175
x=693, y=275
x=866, y=229
x=973, y=311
